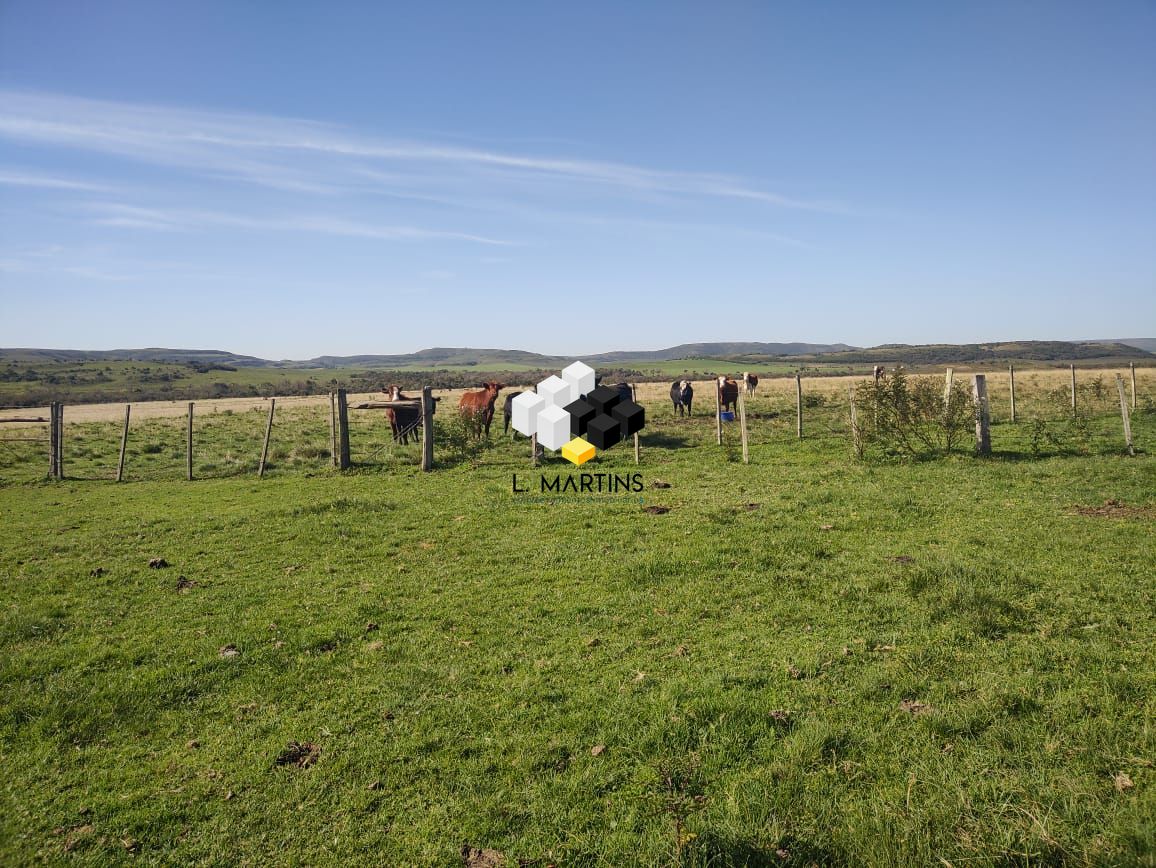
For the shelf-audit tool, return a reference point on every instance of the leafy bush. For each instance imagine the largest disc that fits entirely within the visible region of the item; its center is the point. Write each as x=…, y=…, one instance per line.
x=908, y=416
x=457, y=439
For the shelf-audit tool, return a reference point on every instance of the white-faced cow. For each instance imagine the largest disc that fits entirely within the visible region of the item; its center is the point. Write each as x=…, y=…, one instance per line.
x=877, y=373
x=402, y=420
x=681, y=394
x=750, y=381
x=728, y=393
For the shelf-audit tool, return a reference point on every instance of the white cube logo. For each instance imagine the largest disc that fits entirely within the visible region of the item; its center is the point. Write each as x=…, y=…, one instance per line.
x=553, y=427
x=557, y=392
x=524, y=411
x=580, y=376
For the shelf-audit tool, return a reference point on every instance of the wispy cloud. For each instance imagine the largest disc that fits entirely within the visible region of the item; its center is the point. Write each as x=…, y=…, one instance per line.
x=100, y=264
x=19, y=178
x=134, y=217
x=284, y=152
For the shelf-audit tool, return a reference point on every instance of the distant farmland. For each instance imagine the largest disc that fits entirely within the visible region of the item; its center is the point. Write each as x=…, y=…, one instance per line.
x=36, y=377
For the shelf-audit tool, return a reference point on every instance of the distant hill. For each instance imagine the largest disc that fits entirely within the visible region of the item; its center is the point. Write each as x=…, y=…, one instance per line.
x=150, y=354
x=1004, y=351
x=1146, y=344
x=739, y=352
x=436, y=357
x=717, y=351
x=452, y=356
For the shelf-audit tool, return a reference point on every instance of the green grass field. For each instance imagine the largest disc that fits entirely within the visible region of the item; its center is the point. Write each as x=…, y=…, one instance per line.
x=807, y=660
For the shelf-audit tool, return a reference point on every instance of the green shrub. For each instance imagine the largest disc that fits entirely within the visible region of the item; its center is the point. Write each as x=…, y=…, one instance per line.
x=908, y=416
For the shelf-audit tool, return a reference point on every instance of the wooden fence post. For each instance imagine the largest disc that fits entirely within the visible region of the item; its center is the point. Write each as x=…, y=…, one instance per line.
x=342, y=431
x=856, y=435
x=1073, y=391
x=534, y=453
x=948, y=379
x=333, y=427
x=1011, y=370
x=1132, y=366
x=60, y=440
x=743, y=427
x=634, y=398
x=268, y=431
x=123, y=444
x=982, y=415
x=427, y=429
x=52, y=440
x=717, y=413
x=1124, y=414
x=189, y=446
x=799, y=403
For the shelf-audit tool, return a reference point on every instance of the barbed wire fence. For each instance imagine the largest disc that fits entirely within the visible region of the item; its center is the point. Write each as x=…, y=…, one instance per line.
x=230, y=443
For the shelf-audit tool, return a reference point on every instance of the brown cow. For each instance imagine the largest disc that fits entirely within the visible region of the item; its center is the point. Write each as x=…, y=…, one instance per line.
x=728, y=393
x=750, y=381
x=477, y=408
x=877, y=373
x=401, y=419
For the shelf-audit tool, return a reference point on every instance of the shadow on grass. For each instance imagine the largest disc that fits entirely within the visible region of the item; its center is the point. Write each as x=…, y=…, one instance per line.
x=1015, y=456
x=663, y=441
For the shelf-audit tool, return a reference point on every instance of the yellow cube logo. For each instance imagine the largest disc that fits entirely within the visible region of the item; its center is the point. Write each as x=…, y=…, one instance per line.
x=577, y=451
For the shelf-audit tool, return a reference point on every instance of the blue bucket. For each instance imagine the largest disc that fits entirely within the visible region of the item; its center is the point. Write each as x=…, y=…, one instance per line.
x=726, y=416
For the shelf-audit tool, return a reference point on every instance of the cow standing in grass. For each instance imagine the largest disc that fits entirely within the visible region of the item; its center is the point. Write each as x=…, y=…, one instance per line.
x=728, y=393
x=681, y=394
x=508, y=411
x=477, y=408
x=750, y=381
x=625, y=390
x=401, y=419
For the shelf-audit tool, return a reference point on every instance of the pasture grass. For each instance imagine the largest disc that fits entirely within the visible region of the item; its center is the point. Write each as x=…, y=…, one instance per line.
x=807, y=660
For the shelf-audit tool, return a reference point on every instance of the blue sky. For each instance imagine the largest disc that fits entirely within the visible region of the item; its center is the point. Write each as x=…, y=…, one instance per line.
x=292, y=179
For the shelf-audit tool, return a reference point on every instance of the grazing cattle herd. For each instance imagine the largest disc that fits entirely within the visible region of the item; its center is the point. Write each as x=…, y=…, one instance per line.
x=477, y=407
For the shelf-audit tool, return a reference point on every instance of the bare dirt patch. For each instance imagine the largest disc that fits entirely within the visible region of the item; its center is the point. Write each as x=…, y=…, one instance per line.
x=1113, y=508
x=481, y=857
x=914, y=706
x=300, y=754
